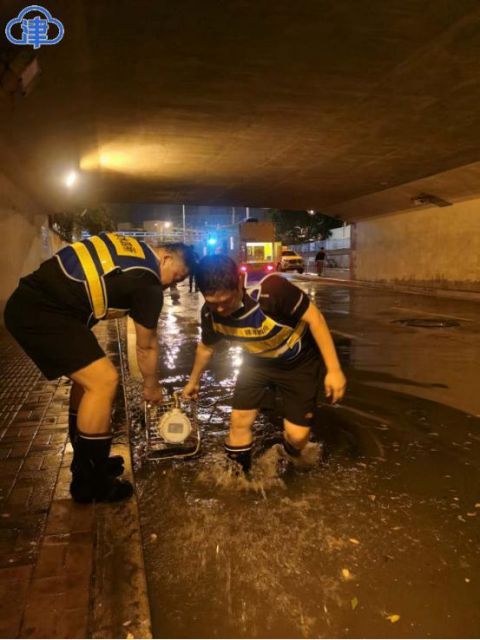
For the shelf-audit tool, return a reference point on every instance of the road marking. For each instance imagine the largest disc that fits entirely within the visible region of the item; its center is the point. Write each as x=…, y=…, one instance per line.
x=437, y=315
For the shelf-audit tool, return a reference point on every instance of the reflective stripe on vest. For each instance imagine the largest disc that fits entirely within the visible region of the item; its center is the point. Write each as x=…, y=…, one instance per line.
x=90, y=260
x=260, y=335
x=126, y=246
x=94, y=283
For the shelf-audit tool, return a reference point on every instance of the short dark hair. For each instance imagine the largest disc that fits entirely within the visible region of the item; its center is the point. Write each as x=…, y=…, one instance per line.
x=183, y=251
x=216, y=273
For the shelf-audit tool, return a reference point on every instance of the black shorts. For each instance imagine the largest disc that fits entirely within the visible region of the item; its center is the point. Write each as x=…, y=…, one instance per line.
x=298, y=387
x=57, y=342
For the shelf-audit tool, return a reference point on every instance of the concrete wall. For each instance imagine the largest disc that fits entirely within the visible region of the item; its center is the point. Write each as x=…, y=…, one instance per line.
x=429, y=246
x=25, y=238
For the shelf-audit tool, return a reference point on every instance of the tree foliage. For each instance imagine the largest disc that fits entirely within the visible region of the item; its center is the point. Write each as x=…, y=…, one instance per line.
x=301, y=226
x=69, y=225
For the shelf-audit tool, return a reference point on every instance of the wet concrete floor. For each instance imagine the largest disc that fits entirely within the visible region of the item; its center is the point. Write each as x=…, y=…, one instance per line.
x=379, y=540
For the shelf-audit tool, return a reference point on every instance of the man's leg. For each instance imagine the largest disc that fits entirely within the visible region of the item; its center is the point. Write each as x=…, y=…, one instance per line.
x=298, y=387
x=295, y=437
x=115, y=464
x=239, y=442
x=98, y=382
x=76, y=394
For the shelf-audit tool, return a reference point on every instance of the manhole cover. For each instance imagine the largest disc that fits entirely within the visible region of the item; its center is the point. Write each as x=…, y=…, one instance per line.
x=429, y=323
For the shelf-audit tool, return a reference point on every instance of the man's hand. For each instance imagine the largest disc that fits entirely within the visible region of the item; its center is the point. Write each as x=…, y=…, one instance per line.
x=191, y=390
x=153, y=395
x=335, y=384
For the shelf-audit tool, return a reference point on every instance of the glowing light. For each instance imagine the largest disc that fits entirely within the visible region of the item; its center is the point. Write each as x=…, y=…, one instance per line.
x=167, y=225
x=131, y=155
x=212, y=241
x=243, y=268
x=71, y=179
x=269, y=267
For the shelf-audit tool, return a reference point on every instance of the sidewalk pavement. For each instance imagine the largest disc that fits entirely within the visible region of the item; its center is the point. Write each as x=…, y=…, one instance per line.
x=423, y=290
x=51, y=548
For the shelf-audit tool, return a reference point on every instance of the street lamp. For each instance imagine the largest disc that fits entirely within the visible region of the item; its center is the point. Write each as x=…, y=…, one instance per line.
x=71, y=179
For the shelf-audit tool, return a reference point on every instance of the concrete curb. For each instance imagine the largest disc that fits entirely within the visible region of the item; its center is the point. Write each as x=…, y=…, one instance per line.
x=121, y=607
x=472, y=296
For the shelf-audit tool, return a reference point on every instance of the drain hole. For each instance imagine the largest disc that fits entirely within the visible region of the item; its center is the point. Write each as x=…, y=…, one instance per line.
x=429, y=323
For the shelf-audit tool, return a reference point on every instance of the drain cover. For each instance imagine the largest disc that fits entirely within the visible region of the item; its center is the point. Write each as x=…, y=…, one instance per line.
x=428, y=323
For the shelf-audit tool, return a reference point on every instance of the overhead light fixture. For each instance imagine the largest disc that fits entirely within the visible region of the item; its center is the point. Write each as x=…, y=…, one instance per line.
x=427, y=198
x=311, y=212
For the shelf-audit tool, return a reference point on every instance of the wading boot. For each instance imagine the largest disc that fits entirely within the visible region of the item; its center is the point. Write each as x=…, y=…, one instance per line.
x=290, y=450
x=90, y=479
x=241, y=455
x=115, y=464
x=308, y=457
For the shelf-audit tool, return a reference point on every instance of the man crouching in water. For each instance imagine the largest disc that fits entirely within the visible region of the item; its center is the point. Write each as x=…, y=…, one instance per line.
x=283, y=335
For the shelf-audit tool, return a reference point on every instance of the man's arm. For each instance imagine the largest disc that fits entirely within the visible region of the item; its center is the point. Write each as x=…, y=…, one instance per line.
x=147, y=357
x=203, y=355
x=335, y=381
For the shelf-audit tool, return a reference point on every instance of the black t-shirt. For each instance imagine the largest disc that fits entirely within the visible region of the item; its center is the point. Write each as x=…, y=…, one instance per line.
x=279, y=299
x=320, y=255
x=136, y=291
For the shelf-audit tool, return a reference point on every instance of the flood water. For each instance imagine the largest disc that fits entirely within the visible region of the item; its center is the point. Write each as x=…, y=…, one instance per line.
x=379, y=539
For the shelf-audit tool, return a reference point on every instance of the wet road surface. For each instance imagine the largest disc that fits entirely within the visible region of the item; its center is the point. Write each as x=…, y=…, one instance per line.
x=381, y=539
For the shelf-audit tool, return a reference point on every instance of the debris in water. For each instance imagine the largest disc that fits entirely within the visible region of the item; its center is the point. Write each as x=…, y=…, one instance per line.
x=153, y=537
x=472, y=514
x=372, y=497
x=354, y=541
x=394, y=617
x=467, y=579
x=346, y=574
x=477, y=505
x=354, y=603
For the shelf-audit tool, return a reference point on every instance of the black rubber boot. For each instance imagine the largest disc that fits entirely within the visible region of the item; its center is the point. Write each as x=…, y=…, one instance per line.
x=290, y=449
x=115, y=464
x=90, y=479
x=241, y=455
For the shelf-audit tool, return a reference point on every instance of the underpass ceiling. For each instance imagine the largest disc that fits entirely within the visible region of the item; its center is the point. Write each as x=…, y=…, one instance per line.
x=294, y=105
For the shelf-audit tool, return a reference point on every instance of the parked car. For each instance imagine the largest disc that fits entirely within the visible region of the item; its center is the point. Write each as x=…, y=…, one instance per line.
x=291, y=261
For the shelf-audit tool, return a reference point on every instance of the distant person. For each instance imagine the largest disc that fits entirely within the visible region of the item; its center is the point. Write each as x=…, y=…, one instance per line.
x=51, y=314
x=320, y=261
x=284, y=336
x=191, y=277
